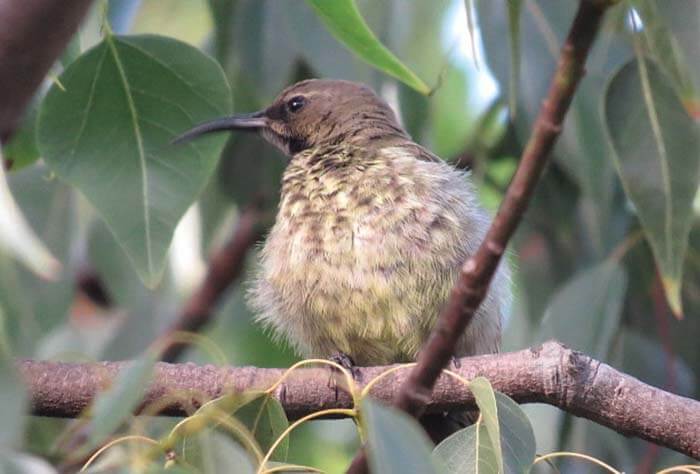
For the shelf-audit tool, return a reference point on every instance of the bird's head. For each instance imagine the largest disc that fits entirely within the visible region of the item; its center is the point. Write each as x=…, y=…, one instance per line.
x=313, y=113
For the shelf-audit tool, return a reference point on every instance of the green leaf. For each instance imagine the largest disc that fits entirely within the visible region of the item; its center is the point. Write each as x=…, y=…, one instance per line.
x=13, y=396
x=18, y=239
x=486, y=401
x=343, y=20
x=657, y=154
x=585, y=312
x=468, y=451
x=661, y=43
x=395, y=441
x=514, y=7
x=266, y=420
x=471, y=450
x=21, y=151
x=20, y=463
x=214, y=452
x=114, y=406
x=108, y=135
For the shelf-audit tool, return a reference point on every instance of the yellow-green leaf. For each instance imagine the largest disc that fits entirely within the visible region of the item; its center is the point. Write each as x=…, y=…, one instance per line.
x=344, y=21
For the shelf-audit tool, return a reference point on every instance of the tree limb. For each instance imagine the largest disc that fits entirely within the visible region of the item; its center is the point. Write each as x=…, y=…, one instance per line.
x=32, y=35
x=551, y=373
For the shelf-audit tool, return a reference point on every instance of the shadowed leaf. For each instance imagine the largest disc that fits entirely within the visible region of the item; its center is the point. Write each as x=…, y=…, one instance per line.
x=395, y=441
x=657, y=153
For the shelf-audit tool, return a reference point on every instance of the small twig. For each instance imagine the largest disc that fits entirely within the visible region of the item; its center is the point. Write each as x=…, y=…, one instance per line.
x=473, y=283
x=224, y=268
x=550, y=373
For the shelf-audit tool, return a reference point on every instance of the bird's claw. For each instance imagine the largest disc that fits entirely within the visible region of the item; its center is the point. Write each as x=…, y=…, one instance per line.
x=346, y=362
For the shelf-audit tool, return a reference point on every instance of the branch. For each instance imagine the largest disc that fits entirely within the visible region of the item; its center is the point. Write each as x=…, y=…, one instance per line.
x=477, y=272
x=551, y=373
x=32, y=35
x=224, y=268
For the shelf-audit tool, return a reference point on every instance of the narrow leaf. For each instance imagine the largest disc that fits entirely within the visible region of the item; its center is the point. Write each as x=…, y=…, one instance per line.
x=657, y=154
x=266, y=420
x=395, y=441
x=514, y=7
x=344, y=21
x=486, y=401
x=109, y=133
x=116, y=404
x=17, y=237
x=13, y=396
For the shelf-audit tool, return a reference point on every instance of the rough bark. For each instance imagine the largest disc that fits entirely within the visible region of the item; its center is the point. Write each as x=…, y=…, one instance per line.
x=550, y=373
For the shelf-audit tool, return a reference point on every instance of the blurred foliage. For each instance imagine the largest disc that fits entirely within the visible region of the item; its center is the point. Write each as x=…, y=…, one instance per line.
x=610, y=237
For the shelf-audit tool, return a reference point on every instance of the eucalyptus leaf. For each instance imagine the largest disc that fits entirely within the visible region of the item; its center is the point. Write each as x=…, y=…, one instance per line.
x=115, y=405
x=657, y=154
x=266, y=420
x=486, y=401
x=471, y=449
x=108, y=135
x=585, y=312
x=396, y=443
x=13, y=400
x=468, y=451
x=345, y=22
x=213, y=452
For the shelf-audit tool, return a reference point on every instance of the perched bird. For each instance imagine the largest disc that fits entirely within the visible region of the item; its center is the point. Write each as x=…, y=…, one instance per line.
x=371, y=230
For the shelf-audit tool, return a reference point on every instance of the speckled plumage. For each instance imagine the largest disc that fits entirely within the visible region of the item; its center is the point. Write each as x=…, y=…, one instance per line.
x=370, y=233
x=369, y=238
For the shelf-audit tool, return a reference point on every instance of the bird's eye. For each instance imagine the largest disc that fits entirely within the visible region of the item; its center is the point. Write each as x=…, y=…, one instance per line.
x=296, y=103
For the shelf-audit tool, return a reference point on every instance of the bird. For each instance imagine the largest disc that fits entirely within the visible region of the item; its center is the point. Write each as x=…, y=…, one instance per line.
x=371, y=230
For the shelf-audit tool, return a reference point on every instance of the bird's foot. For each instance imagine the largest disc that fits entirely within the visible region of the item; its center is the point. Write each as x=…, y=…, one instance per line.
x=456, y=362
x=346, y=362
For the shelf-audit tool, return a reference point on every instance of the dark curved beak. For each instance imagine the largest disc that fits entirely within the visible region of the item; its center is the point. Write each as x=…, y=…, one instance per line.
x=252, y=122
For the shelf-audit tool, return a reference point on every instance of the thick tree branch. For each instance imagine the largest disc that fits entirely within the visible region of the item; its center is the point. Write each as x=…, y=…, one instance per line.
x=224, y=268
x=550, y=373
x=477, y=272
x=32, y=35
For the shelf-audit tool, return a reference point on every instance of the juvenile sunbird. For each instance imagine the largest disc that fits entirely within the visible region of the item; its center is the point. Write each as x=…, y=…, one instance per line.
x=371, y=230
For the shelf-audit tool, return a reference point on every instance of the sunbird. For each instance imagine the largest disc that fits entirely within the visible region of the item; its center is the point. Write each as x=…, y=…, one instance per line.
x=371, y=230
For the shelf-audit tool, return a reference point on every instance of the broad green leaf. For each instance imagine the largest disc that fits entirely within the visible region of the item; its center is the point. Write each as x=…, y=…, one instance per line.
x=486, y=401
x=517, y=437
x=396, y=443
x=266, y=420
x=468, y=451
x=13, y=396
x=585, y=312
x=657, y=153
x=471, y=449
x=115, y=405
x=109, y=135
x=345, y=22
